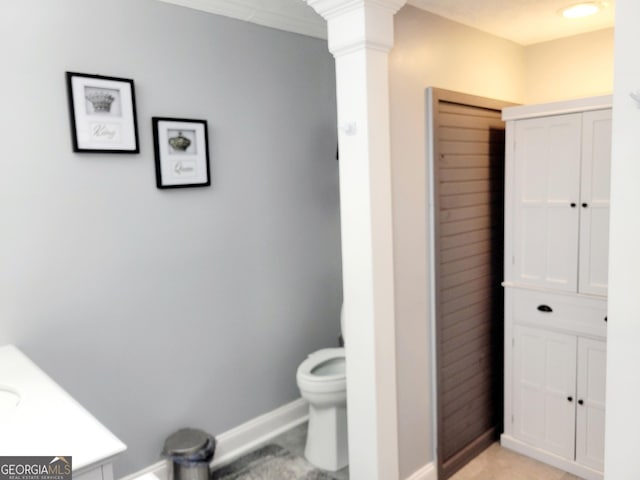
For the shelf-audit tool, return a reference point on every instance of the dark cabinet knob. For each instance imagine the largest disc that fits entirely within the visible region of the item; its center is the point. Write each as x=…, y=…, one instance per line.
x=545, y=308
x=570, y=399
x=573, y=205
x=605, y=319
x=585, y=205
x=581, y=402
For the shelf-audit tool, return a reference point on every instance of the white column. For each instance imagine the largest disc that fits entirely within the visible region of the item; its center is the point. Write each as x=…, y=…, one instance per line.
x=622, y=459
x=360, y=37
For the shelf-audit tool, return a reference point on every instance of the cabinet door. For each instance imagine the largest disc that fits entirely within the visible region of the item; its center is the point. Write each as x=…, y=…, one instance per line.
x=591, y=400
x=594, y=209
x=547, y=182
x=544, y=382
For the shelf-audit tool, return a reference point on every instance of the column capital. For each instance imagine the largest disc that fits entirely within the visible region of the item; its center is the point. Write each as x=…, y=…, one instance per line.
x=357, y=24
x=329, y=9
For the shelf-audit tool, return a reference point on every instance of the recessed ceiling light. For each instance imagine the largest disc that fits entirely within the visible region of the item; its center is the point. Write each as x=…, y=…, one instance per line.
x=580, y=10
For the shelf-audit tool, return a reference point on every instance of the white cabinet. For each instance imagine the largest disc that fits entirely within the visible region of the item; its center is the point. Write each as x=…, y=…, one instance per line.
x=545, y=382
x=592, y=360
x=559, y=386
x=556, y=261
x=594, y=202
x=547, y=183
x=560, y=201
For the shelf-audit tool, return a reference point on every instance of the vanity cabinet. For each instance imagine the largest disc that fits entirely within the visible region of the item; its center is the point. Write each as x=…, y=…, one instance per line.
x=64, y=426
x=96, y=472
x=556, y=261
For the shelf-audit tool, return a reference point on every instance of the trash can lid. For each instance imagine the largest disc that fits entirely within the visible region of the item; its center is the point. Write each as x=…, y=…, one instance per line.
x=187, y=441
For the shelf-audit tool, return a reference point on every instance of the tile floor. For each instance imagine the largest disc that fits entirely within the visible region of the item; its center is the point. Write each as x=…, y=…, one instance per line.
x=294, y=441
x=495, y=463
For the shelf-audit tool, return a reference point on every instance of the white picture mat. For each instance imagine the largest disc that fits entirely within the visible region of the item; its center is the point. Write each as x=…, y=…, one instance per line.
x=182, y=168
x=118, y=132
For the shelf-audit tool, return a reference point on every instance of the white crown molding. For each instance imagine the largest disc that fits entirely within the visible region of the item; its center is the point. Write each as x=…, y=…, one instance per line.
x=358, y=24
x=332, y=8
x=519, y=112
x=274, y=14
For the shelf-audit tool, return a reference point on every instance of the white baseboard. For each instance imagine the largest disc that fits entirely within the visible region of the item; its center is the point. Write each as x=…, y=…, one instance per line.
x=245, y=437
x=581, y=471
x=428, y=472
x=241, y=439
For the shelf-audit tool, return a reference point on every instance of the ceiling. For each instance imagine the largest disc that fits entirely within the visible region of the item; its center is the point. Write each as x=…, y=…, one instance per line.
x=523, y=21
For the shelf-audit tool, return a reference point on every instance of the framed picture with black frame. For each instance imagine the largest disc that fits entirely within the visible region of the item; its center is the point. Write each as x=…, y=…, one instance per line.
x=103, y=114
x=181, y=152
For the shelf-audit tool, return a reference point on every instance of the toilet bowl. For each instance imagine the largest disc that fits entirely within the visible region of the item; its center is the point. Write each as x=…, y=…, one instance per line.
x=323, y=384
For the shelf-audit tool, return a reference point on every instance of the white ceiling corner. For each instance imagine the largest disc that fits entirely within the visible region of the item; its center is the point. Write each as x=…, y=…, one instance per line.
x=522, y=21
x=289, y=15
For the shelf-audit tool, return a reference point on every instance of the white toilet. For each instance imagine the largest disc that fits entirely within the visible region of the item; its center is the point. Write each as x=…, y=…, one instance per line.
x=323, y=383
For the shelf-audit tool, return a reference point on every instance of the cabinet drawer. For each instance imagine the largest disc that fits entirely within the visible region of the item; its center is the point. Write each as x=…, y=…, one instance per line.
x=574, y=314
x=94, y=474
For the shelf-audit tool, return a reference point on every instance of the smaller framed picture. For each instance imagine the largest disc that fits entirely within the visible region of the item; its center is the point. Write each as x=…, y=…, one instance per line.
x=103, y=114
x=182, y=152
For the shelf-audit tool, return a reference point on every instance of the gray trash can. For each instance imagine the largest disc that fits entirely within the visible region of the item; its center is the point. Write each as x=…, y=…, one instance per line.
x=191, y=451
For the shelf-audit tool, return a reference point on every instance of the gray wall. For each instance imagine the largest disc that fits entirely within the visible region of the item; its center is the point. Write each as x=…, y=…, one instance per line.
x=160, y=309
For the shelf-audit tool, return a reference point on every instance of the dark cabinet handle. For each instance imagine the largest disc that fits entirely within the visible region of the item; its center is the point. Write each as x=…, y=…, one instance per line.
x=545, y=308
x=580, y=402
x=605, y=319
x=570, y=399
x=573, y=205
x=585, y=205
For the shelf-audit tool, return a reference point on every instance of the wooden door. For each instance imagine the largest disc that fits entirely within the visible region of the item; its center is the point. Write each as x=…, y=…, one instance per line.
x=594, y=202
x=547, y=185
x=592, y=360
x=544, y=389
x=467, y=164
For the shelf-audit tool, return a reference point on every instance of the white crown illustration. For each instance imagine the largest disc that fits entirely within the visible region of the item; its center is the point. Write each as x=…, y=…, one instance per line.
x=101, y=101
x=180, y=142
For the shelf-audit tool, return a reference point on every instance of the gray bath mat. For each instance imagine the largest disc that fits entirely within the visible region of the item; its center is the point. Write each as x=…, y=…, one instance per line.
x=271, y=462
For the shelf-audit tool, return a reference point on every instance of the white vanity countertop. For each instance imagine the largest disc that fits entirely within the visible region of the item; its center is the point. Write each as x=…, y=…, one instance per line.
x=47, y=421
